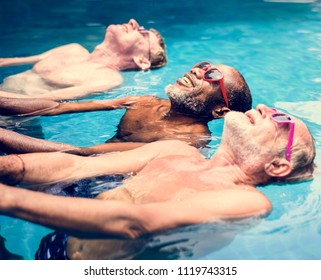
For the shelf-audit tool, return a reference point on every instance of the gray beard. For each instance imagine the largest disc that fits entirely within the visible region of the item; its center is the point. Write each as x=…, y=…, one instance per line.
x=184, y=103
x=247, y=151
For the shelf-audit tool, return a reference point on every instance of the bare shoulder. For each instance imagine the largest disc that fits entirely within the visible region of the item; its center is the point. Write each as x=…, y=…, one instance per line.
x=73, y=48
x=148, y=100
x=140, y=99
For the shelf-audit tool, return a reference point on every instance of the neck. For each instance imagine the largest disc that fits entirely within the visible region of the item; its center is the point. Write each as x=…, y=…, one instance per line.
x=173, y=113
x=224, y=161
x=107, y=58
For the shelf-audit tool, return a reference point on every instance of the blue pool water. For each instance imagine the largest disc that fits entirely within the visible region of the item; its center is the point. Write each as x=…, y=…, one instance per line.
x=277, y=47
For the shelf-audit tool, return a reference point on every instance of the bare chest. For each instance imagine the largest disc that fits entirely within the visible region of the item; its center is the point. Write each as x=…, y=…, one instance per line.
x=174, y=178
x=150, y=124
x=69, y=71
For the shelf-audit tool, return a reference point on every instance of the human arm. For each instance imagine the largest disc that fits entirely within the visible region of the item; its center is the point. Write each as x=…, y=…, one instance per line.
x=14, y=61
x=13, y=142
x=95, y=105
x=106, y=148
x=47, y=168
x=45, y=107
x=26, y=107
x=68, y=93
x=93, y=216
x=91, y=82
x=63, y=50
x=78, y=91
x=77, y=216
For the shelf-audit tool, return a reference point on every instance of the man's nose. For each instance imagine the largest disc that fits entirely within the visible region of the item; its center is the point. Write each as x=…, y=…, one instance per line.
x=264, y=110
x=134, y=23
x=198, y=72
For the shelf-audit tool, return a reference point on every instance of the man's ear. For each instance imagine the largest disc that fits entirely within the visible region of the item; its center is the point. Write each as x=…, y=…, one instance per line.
x=220, y=112
x=142, y=62
x=279, y=167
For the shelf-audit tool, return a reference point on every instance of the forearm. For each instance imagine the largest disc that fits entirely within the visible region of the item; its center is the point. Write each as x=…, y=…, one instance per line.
x=79, y=107
x=26, y=107
x=36, y=169
x=46, y=107
x=75, y=92
x=73, y=215
x=12, y=142
x=49, y=168
x=107, y=148
x=69, y=94
x=13, y=61
x=96, y=105
x=61, y=94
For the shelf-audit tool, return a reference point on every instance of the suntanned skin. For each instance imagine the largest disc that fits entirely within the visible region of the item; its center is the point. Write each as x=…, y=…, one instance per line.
x=147, y=118
x=171, y=185
x=71, y=71
x=150, y=204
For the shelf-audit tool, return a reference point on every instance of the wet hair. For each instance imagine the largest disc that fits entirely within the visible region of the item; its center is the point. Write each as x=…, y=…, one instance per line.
x=158, y=58
x=239, y=94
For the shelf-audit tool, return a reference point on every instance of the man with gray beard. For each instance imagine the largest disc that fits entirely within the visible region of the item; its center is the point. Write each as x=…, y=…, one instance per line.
x=169, y=185
x=253, y=151
x=205, y=93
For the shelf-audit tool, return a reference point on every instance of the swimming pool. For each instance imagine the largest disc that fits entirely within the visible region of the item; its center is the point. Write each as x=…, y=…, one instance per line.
x=276, y=46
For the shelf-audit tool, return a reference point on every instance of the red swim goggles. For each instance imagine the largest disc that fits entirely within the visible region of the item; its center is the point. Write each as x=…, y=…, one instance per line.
x=212, y=74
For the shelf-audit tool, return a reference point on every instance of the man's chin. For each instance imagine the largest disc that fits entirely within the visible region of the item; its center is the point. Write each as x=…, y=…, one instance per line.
x=168, y=88
x=173, y=90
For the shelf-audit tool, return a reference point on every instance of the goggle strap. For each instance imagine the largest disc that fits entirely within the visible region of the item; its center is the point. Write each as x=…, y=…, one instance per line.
x=224, y=93
x=290, y=142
